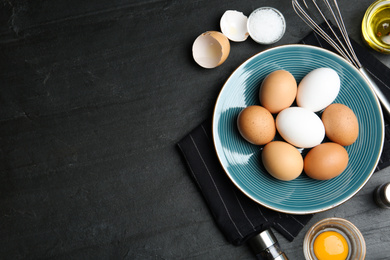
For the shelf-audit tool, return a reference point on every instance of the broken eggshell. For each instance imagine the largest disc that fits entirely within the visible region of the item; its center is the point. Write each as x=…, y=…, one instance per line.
x=210, y=49
x=234, y=25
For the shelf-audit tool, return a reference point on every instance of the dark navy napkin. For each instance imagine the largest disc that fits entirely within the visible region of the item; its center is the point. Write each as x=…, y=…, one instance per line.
x=237, y=216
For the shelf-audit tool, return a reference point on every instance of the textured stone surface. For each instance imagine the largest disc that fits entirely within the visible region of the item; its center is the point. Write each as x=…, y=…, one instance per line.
x=94, y=96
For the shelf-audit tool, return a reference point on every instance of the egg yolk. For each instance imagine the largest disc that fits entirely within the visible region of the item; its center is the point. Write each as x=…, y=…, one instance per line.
x=330, y=245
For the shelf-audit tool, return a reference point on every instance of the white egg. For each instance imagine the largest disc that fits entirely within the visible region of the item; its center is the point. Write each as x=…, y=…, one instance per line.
x=318, y=89
x=300, y=127
x=234, y=26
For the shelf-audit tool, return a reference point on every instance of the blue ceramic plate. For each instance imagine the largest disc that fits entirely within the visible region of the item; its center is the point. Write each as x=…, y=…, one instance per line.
x=242, y=160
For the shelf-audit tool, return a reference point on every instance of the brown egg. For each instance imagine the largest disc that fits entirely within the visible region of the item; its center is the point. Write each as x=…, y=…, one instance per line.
x=256, y=125
x=282, y=160
x=325, y=161
x=341, y=124
x=278, y=91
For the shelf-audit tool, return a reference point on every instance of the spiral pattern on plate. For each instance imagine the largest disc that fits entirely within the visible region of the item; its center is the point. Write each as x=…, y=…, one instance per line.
x=242, y=160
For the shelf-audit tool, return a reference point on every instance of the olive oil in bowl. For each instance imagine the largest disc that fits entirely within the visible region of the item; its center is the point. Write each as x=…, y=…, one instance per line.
x=376, y=26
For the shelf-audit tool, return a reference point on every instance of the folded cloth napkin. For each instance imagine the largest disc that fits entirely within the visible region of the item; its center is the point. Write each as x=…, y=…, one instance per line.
x=237, y=216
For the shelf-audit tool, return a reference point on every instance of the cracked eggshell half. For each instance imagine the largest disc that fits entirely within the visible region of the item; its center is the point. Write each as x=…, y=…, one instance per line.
x=234, y=25
x=210, y=49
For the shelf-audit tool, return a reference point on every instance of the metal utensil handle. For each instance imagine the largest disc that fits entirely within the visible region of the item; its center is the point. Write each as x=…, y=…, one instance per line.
x=382, y=98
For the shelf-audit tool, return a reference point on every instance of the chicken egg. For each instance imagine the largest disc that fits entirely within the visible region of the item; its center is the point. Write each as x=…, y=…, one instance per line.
x=282, y=160
x=256, y=125
x=210, y=49
x=325, y=161
x=278, y=91
x=341, y=124
x=300, y=127
x=318, y=89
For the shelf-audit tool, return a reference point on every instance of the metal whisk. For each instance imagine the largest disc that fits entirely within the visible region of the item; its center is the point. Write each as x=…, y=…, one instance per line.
x=329, y=9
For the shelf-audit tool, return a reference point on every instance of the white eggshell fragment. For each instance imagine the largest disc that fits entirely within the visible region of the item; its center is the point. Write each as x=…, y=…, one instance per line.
x=210, y=49
x=318, y=89
x=234, y=25
x=300, y=127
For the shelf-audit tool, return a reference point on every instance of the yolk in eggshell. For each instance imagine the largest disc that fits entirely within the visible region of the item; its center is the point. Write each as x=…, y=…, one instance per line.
x=330, y=245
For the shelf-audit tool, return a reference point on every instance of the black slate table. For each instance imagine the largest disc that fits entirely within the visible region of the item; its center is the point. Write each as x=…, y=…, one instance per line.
x=94, y=96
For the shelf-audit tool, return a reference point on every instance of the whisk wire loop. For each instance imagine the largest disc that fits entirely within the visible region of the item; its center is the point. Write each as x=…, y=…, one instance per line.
x=342, y=45
x=340, y=23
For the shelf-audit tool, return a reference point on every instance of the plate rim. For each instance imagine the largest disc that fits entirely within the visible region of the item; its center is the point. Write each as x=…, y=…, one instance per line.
x=299, y=212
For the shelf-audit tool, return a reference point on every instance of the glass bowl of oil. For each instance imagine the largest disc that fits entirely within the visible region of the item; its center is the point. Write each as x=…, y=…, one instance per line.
x=334, y=238
x=376, y=26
